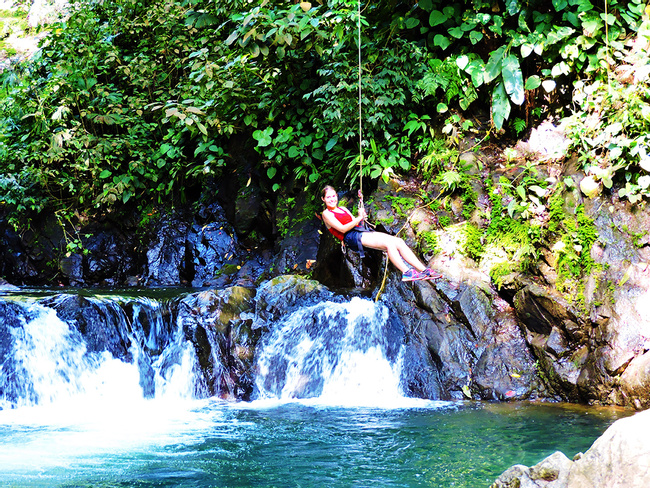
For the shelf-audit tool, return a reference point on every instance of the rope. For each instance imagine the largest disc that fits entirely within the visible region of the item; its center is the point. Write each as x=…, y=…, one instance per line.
x=360, y=127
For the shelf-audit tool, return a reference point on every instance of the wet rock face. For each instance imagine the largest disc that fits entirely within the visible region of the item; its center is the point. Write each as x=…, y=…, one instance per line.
x=13, y=386
x=594, y=347
x=99, y=325
x=224, y=341
x=472, y=337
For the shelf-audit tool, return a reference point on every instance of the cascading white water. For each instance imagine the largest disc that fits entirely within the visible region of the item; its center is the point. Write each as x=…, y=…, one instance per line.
x=336, y=353
x=54, y=361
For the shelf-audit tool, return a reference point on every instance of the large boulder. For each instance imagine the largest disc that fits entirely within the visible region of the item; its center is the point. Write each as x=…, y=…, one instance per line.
x=620, y=458
x=223, y=339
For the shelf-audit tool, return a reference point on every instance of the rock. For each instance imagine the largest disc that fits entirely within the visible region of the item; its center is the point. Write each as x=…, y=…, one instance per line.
x=209, y=248
x=620, y=458
x=552, y=472
x=14, y=384
x=110, y=255
x=46, y=11
x=98, y=324
x=166, y=254
x=279, y=295
x=224, y=341
x=247, y=209
x=6, y=286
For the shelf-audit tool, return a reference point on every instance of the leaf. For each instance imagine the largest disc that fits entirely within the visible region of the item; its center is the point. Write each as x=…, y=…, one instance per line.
x=202, y=128
x=462, y=61
x=626, y=275
x=500, y=106
x=231, y=38
x=533, y=82
x=526, y=49
x=305, y=6
x=475, y=37
x=412, y=22
x=521, y=191
x=425, y=5
x=494, y=64
x=512, y=79
x=456, y=32
x=538, y=190
x=105, y=174
x=442, y=108
x=271, y=172
x=263, y=138
x=476, y=70
x=609, y=18
x=331, y=143
x=548, y=85
x=512, y=206
x=559, y=5
x=437, y=18
x=441, y=41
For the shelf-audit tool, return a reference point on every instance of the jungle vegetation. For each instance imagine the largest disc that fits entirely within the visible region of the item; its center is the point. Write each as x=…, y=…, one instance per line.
x=136, y=104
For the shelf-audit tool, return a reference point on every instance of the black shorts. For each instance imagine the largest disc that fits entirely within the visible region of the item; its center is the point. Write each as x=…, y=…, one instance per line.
x=352, y=239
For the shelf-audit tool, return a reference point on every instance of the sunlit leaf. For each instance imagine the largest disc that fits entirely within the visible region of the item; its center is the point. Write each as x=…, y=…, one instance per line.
x=512, y=79
x=500, y=106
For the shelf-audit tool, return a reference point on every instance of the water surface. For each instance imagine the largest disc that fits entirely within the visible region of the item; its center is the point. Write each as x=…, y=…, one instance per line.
x=268, y=444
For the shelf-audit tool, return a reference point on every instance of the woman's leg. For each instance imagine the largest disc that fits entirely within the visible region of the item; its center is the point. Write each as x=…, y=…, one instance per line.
x=398, y=252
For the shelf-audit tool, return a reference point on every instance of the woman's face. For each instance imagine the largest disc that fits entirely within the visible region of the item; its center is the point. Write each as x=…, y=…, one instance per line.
x=331, y=199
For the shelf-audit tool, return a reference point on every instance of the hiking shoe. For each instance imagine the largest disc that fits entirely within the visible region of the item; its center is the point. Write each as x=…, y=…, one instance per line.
x=411, y=275
x=429, y=274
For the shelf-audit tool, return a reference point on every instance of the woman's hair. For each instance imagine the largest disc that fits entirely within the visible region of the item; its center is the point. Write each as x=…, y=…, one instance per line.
x=326, y=189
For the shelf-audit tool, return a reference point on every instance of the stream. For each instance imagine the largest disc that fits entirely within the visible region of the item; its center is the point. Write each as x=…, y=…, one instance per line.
x=328, y=408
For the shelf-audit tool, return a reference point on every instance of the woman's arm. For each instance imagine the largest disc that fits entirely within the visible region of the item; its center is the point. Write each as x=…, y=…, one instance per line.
x=331, y=221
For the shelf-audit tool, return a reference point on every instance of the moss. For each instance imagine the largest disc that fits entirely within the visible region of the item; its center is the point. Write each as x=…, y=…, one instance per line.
x=401, y=205
x=637, y=237
x=444, y=220
x=428, y=242
x=229, y=269
x=473, y=247
x=387, y=221
x=499, y=271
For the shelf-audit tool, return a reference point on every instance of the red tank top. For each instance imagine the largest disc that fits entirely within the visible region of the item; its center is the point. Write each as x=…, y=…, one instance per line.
x=343, y=217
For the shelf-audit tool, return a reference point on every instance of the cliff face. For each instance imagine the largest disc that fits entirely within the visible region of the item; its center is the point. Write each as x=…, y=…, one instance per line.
x=530, y=335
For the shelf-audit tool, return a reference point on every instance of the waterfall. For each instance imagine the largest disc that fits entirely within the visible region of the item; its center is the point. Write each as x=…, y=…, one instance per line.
x=72, y=349
x=48, y=360
x=337, y=353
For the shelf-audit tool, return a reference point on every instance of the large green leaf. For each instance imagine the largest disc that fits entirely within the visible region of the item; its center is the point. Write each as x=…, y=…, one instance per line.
x=437, y=18
x=513, y=80
x=495, y=64
x=533, y=82
x=425, y=5
x=500, y=106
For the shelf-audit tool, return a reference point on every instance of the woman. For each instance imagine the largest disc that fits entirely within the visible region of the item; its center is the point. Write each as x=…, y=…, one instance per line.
x=347, y=228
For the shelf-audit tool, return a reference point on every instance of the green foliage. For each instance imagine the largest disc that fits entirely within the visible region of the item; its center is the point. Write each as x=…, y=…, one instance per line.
x=578, y=234
x=428, y=242
x=137, y=104
x=610, y=131
x=552, y=46
x=402, y=206
x=473, y=247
